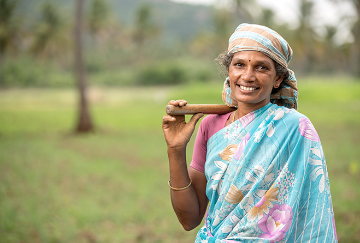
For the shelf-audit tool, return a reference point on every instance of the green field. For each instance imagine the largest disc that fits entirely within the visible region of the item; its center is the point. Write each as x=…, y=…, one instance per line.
x=111, y=186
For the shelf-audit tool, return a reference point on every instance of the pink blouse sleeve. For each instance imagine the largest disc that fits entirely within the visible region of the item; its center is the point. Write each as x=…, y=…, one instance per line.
x=210, y=125
x=199, y=152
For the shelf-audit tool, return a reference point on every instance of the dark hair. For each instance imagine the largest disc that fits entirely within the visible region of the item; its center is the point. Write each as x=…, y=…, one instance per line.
x=224, y=60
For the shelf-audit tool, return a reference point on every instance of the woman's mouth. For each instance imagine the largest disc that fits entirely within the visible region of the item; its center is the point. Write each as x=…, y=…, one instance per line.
x=244, y=88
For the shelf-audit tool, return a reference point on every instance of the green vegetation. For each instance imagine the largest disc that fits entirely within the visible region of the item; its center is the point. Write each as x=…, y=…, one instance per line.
x=152, y=42
x=111, y=185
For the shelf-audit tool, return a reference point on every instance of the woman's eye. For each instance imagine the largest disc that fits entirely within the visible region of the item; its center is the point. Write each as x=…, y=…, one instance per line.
x=263, y=68
x=239, y=64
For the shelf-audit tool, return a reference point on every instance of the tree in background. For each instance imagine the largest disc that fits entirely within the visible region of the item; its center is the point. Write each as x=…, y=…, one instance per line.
x=51, y=37
x=9, y=27
x=84, y=123
x=355, y=30
x=335, y=56
x=267, y=18
x=112, y=45
x=223, y=28
x=303, y=42
x=356, y=44
x=98, y=17
x=145, y=27
x=243, y=10
x=217, y=38
x=225, y=20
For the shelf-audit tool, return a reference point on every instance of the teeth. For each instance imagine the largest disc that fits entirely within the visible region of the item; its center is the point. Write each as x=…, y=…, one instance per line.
x=247, y=88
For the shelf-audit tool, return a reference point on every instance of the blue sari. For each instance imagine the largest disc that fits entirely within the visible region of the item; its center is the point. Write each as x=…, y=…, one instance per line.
x=267, y=181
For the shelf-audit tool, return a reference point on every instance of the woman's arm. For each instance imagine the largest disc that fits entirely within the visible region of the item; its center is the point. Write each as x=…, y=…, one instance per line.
x=189, y=204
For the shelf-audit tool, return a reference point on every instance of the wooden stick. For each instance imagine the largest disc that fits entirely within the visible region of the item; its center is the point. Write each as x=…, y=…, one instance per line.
x=200, y=108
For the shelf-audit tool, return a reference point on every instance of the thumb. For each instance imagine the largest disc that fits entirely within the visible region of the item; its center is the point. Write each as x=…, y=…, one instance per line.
x=195, y=118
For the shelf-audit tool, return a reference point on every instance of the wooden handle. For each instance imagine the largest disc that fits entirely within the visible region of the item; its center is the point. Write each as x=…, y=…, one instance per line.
x=193, y=109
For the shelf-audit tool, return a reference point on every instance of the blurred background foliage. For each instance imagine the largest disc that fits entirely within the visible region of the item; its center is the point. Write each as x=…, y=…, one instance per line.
x=110, y=185
x=136, y=42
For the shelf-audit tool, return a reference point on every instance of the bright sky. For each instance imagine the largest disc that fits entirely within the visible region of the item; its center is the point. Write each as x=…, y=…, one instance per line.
x=325, y=12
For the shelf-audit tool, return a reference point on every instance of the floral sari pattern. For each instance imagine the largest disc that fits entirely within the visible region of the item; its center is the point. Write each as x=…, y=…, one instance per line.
x=267, y=181
x=276, y=223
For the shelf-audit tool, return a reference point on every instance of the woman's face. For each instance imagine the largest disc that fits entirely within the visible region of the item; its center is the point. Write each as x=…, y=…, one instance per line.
x=252, y=77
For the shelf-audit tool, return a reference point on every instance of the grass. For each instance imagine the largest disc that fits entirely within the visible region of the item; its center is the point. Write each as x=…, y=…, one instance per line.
x=111, y=186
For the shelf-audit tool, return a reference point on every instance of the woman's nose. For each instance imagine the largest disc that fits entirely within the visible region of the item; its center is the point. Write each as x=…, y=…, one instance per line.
x=249, y=74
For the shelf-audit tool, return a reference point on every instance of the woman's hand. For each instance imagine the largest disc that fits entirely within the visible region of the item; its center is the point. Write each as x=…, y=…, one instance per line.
x=176, y=131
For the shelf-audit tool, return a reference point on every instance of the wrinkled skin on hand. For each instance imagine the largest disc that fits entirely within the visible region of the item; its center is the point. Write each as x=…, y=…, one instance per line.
x=176, y=131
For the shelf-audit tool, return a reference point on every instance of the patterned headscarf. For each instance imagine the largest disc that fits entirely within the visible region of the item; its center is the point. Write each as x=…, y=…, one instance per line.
x=251, y=37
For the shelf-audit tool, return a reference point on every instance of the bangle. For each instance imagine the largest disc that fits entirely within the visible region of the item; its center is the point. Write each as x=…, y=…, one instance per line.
x=180, y=189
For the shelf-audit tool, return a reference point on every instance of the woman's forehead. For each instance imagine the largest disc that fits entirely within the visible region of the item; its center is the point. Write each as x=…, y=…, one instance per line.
x=252, y=56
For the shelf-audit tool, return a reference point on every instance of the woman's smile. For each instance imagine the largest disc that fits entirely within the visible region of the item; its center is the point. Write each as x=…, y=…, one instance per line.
x=246, y=88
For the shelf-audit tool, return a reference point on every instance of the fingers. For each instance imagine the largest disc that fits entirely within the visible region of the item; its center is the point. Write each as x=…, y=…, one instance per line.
x=167, y=119
x=195, y=118
x=178, y=102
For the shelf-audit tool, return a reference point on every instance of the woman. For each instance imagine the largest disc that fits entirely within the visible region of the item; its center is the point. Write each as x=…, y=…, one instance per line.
x=260, y=168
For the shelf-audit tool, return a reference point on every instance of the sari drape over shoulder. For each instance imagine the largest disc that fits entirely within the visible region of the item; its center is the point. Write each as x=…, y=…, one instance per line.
x=267, y=181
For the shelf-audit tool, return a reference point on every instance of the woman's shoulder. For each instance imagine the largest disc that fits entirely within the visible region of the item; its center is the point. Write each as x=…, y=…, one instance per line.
x=286, y=113
x=298, y=123
x=214, y=119
x=292, y=113
x=211, y=124
x=290, y=116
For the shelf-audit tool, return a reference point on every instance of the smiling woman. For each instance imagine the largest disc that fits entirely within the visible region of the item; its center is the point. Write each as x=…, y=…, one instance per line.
x=252, y=76
x=260, y=171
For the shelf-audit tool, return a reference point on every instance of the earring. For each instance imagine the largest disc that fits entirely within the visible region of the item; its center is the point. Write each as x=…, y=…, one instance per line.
x=277, y=86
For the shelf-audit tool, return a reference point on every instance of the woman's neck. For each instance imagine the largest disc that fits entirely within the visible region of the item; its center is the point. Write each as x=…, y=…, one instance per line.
x=245, y=108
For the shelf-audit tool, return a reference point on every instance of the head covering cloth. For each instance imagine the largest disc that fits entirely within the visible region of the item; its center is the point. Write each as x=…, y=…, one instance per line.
x=251, y=37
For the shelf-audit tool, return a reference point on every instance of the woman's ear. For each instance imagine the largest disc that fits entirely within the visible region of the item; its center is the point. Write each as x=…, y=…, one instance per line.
x=278, y=81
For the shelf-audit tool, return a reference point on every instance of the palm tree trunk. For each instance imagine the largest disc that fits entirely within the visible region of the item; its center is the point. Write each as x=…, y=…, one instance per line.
x=356, y=44
x=84, y=123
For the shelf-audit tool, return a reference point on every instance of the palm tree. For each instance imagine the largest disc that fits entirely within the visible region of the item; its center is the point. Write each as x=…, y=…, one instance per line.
x=267, y=18
x=84, y=123
x=222, y=30
x=9, y=27
x=51, y=34
x=304, y=37
x=98, y=16
x=356, y=45
x=145, y=27
x=243, y=10
x=355, y=52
